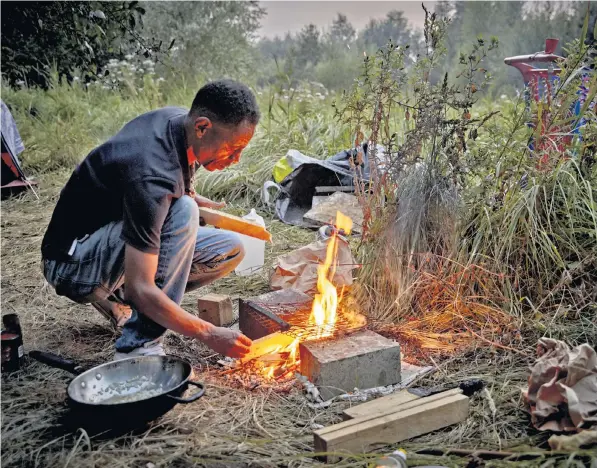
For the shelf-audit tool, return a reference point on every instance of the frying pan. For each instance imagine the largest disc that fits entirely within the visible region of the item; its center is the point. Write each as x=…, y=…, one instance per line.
x=120, y=396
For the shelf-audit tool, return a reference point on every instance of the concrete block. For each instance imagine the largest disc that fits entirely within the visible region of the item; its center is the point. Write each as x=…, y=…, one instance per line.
x=216, y=309
x=284, y=303
x=364, y=359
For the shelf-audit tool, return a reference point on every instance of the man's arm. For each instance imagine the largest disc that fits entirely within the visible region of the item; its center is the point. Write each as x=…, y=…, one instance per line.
x=139, y=270
x=204, y=202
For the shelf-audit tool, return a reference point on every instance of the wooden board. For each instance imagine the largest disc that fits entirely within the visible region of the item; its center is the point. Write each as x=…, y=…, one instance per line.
x=379, y=405
x=390, y=403
x=233, y=223
x=336, y=188
x=363, y=434
x=270, y=344
x=402, y=407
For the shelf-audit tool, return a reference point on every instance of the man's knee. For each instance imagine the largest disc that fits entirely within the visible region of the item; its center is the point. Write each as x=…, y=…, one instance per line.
x=235, y=248
x=186, y=212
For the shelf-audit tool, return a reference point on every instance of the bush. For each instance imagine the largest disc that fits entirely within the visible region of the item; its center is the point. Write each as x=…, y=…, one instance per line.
x=462, y=221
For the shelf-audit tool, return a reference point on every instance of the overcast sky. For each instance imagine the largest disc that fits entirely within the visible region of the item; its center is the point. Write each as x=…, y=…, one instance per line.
x=292, y=15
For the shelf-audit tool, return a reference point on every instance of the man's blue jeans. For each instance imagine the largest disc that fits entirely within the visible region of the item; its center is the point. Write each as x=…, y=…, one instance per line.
x=190, y=257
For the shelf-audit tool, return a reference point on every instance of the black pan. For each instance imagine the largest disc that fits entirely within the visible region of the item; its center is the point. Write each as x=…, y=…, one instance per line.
x=124, y=395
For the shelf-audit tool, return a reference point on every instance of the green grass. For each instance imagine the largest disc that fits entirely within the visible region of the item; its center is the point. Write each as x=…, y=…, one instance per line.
x=61, y=125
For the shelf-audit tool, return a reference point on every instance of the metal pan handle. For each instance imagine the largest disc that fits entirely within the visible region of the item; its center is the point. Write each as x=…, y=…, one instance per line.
x=193, y=397
x=54, y=360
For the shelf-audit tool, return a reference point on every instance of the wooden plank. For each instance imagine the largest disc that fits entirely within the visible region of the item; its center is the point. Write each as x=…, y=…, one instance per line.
x=270, y=344
x=402, y=407
x=234, y=223
x=389, y=404
x=330, y=189
x=364, y=434
x=379, y=405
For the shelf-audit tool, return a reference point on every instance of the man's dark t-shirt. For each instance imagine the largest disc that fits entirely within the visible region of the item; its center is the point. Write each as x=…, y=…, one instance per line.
x=133, y=177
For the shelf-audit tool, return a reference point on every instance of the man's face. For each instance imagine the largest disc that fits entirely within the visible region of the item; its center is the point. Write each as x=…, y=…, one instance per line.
x=223, y=144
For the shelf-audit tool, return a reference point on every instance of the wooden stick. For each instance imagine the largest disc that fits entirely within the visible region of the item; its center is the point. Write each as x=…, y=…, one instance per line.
x=233, y=223
x=379, y=405
x=484, y=454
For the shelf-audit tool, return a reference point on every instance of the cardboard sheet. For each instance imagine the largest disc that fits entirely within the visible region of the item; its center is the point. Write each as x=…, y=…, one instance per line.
x=298, y=269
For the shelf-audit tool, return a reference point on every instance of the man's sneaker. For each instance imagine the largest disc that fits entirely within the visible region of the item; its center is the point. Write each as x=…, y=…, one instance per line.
x=151, y=348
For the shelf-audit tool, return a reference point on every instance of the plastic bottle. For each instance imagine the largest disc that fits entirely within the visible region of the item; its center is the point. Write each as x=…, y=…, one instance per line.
x=254, y=249
x=396, y=459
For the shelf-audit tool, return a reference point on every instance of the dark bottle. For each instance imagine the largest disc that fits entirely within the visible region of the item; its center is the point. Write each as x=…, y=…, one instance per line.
x=12, y=325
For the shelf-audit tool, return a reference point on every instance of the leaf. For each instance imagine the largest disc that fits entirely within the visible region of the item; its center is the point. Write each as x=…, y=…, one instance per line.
x=574, y=265
x=100, y=14
x=585, y=27
x=172, y=44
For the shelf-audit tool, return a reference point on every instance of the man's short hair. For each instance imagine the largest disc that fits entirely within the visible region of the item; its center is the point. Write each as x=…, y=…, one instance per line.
x=226, y=101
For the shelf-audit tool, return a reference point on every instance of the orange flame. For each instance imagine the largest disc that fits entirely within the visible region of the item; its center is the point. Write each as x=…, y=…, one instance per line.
x=325, y=304
x=280, y=361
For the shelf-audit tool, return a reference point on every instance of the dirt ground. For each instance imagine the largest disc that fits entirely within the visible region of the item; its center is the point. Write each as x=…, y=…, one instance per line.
x=229, y=426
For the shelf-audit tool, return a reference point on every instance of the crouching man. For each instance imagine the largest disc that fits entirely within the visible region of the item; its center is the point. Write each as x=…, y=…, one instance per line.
x=125, y=234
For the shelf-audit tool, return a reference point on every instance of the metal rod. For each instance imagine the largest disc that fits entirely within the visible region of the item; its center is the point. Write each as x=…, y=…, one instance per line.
x=270, y=315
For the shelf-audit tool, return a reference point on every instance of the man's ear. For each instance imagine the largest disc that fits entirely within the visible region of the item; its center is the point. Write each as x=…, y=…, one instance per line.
x=201, y=126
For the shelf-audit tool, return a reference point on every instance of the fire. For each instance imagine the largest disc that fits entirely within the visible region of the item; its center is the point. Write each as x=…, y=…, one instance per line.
x=278, y=353
x=325, y=304
x=281, y=359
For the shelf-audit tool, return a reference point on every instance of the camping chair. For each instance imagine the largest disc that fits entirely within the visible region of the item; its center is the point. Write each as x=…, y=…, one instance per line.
x=13, y=179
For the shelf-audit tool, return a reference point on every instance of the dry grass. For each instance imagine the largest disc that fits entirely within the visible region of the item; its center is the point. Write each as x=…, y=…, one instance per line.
x=228, y=427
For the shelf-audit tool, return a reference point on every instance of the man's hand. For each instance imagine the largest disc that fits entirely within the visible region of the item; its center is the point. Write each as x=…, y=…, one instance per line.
x=227, y=342
x=204, y=202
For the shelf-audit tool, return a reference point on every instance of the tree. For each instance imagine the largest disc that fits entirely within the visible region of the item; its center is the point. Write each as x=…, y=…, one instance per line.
x=210, y=37
x=342, y=31
x=37, y=36
x=394, y=26
x=276, y=47
x=308, y=46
